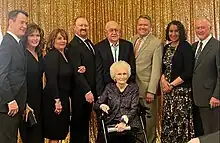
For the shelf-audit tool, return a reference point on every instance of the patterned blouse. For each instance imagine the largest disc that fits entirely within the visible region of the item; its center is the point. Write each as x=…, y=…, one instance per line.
x=120, y=103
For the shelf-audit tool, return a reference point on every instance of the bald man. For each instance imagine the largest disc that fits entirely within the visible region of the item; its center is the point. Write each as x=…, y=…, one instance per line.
x=206, y=76
x=110, y=50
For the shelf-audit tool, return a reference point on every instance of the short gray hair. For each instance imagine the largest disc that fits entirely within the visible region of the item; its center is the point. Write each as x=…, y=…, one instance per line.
x=119, y=65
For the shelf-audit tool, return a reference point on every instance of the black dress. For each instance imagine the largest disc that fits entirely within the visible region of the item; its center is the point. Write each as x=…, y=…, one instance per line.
x=58, y=85
x=34, y=75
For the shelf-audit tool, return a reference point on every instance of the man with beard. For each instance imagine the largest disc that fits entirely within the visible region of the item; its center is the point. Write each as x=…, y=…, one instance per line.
x=81, y=52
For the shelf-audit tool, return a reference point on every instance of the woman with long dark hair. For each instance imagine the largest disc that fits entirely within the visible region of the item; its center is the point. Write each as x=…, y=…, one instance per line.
x=178, y=60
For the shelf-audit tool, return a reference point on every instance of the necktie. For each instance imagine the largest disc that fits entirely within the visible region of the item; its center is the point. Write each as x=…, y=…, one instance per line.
x=20, y=44
x=115, y=54
x=22, y=47
x=137, y=46
x=199, y=51
x=89, y=46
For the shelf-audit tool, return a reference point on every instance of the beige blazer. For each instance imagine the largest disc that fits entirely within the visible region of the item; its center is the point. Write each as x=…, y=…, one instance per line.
x=148, y=64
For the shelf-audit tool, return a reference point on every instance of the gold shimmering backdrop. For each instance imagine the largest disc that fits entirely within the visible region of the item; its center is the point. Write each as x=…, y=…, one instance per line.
x=51, y=14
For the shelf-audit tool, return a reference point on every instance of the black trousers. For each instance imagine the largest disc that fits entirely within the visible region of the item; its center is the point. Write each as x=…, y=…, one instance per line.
x=115, y=137
x=197, y=121
x=124, y=137
x=79, y=126
x=9, y=128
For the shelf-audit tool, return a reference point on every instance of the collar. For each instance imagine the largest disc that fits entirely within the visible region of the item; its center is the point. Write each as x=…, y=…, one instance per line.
x=116, y=45
x=204, y=42
x=83, y=39
x=145, y=37
x=14, y=36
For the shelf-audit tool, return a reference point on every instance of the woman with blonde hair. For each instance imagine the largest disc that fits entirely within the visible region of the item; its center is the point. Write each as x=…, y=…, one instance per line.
x=120, y=102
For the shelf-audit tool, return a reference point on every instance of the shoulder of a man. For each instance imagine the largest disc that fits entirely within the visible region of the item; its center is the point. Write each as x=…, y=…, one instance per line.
x=155, y=39
x=125, y=43
x=101, y=44
x=6, y=44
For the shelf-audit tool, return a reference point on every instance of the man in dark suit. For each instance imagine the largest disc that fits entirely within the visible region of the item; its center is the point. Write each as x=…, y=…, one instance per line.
x=81, y=53
x=110, y=50
x=12, y=77
x=206, y=76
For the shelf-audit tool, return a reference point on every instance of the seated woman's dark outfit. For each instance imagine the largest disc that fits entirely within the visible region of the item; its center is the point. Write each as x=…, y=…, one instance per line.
x=120, y=103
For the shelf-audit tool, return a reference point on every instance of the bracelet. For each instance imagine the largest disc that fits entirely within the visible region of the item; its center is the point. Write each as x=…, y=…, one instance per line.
x=171, y=85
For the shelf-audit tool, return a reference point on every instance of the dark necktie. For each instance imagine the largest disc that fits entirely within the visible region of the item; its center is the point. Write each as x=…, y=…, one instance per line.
x=199, y=51
x=89, y=46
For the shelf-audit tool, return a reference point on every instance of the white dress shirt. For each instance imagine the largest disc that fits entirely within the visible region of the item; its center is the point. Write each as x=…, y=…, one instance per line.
x=204, y=42
x=115, y=51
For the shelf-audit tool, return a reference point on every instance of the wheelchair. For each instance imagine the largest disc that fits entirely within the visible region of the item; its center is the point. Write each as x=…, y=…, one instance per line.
x=110, y=131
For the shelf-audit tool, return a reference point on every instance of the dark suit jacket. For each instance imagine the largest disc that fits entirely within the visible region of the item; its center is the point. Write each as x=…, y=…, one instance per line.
x=12, y=73
x=182, y=63
x=104, y=59
x=206, y=74
x=80, y=55
x=210, y=138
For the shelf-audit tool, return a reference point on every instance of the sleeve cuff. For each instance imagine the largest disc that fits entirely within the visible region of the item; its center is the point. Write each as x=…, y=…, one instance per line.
x=124, y=119
x=11, y=102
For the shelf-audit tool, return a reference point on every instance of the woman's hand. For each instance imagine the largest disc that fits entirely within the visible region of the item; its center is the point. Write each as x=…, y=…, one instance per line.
x=81, y=69
x=120, y=127
x=27, y=110
x=165, y=85
x=58, y=106
x=104, y=108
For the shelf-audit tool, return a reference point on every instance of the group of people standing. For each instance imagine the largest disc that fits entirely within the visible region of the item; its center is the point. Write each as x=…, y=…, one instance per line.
x=80, y=71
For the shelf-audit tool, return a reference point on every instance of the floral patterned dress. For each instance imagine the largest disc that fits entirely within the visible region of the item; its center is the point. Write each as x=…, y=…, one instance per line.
x=177, y=123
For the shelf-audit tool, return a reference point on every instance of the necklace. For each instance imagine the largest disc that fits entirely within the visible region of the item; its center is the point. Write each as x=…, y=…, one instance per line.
x=33, y=53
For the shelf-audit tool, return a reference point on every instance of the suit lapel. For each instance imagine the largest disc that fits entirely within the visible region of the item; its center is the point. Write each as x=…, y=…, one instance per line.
x=84, y=45
x=204, y=52
x=133, y=40
x=121, y=50
x=19, y=48
x=109, y=51
x=144, y=45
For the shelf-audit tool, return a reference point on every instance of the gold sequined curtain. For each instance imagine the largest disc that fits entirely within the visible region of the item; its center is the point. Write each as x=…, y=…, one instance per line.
x=51, y=14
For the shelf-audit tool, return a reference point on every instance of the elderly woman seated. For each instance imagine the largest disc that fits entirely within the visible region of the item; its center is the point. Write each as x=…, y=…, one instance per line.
x=120, y=102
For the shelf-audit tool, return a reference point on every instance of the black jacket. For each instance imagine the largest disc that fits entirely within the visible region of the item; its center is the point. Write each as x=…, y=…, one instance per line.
x=182, y=63
x=104, y=59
